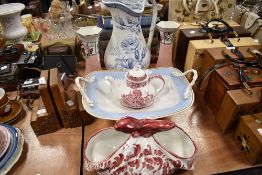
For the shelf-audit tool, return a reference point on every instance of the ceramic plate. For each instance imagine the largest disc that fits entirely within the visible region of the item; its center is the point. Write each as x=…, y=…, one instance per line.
x=168, y=102
x=12, y=147
x=4, y=140
x=16, y=154
x=16, y=109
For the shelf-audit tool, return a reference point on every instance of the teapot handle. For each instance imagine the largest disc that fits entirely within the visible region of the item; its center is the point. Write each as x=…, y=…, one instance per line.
x=153, y=24
x=77, y=81
x=191, y=84
x=161, y=78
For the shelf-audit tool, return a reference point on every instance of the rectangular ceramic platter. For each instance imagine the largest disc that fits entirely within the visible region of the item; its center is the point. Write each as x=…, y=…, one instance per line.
x=106, y=106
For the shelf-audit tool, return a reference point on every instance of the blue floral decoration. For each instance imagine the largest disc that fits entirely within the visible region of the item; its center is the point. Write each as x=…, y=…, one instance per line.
x=128, y=24
x=131, y=53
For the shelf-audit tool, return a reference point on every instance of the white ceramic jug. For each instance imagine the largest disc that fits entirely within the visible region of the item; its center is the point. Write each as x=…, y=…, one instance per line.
x=127, y=46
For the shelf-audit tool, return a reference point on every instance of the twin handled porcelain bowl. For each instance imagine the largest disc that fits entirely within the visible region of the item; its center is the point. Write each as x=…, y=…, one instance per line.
x=135, y=89
x=135, y=147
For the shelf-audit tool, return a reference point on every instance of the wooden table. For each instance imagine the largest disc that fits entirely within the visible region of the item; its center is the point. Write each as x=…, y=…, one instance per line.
x=217, y=152
x=56, y=153
x=60, y=152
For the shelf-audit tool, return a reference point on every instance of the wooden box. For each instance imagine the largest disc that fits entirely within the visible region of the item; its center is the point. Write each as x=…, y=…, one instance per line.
x=214, y=56
x=196, y=48
x=47, y=121
x=249, y=137
x=237, y=103
x=45, y=93
x=224, y=79
x=42, y=122
x=187, y=35
x=65, y=101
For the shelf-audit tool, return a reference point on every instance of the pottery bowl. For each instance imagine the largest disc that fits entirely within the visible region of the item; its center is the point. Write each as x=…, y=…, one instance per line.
x=114, y=152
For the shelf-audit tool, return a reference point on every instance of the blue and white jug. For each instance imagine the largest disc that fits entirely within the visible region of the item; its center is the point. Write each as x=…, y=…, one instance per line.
x=127, y=46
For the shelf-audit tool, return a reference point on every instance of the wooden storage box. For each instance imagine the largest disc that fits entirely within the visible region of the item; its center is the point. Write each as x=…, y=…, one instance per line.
x=214, y=56
x=237, y=103
x=65, y=101
x=45, y=92
x=48, y=121
x=222, y=80
x=249, y=137
x=42, y=122
x=196, y=48
x=187, y=35
x=190, y=26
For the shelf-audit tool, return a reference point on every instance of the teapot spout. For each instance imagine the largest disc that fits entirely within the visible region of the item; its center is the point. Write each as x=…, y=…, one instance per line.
x=153, y=24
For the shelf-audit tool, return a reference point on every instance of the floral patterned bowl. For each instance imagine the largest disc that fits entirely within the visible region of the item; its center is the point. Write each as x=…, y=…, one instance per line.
x=144, y=146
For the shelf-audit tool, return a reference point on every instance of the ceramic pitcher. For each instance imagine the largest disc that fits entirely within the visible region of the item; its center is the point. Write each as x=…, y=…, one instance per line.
x=146, y=147
x=127, y=46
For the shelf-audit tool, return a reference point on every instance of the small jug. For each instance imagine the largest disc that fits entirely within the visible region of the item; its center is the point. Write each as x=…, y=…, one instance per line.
x=136, y=91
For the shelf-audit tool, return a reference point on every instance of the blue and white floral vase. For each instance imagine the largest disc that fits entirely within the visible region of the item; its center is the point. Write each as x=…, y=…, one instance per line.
x=127, y=46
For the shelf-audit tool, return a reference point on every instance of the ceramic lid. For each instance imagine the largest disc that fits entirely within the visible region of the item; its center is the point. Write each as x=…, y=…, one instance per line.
x=7, y=9
x=133, y=7
x=167, y=26
x=136, y=74
x=89, y=30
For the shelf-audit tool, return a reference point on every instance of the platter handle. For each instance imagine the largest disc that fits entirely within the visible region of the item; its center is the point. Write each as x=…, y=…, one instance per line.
x=191, y=84
x=77, y=81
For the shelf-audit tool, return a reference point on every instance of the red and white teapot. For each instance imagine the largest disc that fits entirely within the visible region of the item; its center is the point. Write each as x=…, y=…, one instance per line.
x=136, y=91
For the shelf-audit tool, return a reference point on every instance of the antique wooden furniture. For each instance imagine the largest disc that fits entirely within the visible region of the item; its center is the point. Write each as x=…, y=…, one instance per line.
x=65, y=101
x=249, y=137
x=44, y=116
x=237, y=103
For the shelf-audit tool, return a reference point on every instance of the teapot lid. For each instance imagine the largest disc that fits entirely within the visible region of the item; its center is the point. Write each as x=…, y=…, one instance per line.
x=133, y=7
x=136, y=74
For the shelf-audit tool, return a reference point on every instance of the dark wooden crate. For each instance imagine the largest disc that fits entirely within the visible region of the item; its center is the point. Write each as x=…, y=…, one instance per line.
x=249, y=138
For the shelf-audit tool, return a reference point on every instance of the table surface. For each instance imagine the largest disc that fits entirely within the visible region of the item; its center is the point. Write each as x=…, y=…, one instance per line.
x=60, y=152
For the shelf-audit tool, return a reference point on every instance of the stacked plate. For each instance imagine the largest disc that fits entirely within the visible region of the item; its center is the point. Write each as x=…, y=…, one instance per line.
x=11, y=146
x=13, y=114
